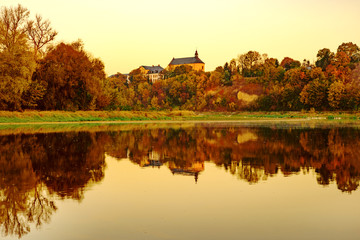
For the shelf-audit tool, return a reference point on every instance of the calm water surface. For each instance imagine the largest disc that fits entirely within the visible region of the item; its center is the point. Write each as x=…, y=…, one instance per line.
x=185, y=181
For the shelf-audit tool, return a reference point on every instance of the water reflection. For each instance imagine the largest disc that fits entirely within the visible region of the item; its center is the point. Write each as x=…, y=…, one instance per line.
x=252, y=154
x=38, y=169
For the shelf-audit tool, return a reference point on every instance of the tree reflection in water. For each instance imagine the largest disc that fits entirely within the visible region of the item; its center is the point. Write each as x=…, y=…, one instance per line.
x=252, y=154
x=37, y=169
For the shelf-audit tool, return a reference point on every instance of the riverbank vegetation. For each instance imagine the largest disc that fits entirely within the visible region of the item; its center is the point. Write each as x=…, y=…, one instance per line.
x=116, y=116
x=36, y=74
x=90, y=116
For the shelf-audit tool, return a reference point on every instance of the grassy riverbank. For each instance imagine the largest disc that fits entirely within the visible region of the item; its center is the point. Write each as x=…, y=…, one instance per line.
x=87, y=116
x=276, y=115
x=112, y=116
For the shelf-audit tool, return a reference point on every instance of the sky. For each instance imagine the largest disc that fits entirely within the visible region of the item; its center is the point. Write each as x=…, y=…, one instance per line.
x=126, y=34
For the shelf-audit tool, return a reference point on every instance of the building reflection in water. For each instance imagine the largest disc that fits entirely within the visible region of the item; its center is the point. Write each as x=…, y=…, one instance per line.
x=36, y=170
x=193, y=169
x=252, y=154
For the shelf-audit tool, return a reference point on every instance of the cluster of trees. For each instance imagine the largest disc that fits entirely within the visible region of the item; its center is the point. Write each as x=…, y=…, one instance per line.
x=252, y=82
x=331, y=83
x=183, y=88
x=66, y=77
x=62, y=77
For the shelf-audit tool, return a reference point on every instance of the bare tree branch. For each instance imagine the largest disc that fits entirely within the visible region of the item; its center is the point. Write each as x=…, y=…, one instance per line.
x=40, y=33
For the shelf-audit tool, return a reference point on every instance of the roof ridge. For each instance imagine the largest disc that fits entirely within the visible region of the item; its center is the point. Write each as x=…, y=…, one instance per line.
x=185, y=60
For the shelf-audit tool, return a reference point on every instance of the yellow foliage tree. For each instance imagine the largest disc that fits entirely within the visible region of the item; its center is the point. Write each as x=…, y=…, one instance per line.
x=336, y=93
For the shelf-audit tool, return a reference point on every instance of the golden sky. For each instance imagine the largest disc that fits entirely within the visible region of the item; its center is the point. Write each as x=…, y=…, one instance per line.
x=125, y=34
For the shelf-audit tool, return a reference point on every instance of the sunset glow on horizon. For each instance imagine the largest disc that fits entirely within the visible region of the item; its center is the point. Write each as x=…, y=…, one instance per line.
x=128, y=34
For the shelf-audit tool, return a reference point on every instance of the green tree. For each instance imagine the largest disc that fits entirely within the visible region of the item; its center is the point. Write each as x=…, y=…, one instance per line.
x=226, y=78
x=324, y=58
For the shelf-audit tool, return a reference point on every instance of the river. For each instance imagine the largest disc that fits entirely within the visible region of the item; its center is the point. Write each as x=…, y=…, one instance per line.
x=224, y=180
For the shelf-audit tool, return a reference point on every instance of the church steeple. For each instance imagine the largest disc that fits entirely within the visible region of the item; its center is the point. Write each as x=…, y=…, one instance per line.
x=196, y=54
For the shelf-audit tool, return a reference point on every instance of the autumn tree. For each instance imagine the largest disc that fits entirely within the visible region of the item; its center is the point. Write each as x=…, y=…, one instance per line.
x=74, y=81
x=355, y=75
x=115, y=88
x=16, y=62
x=339, y=69
x=215, y=78
x=345, y=94
x=233, y=67
x=144, y=91
x=248, y=61
x=158, y=95
x=182, y=69
x=351, y=50
x=342, y=59
x=289, y=63
x=40, y=34
x=271, y=72
x=12, y=29
x=337, y=93
x=315, y=94
x=137, y=77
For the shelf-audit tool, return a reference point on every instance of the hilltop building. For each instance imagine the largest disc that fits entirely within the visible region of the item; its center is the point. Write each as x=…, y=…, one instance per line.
x=154, y=73
x=195, y=62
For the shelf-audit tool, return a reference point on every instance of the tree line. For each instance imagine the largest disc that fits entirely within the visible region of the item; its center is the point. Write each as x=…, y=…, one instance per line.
x=60, y=77
x=37, y=74
x=252, y=81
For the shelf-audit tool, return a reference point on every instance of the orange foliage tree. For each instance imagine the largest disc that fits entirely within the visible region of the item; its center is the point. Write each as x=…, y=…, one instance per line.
x=73, y=80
